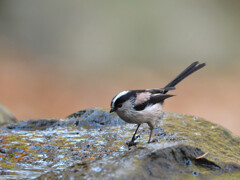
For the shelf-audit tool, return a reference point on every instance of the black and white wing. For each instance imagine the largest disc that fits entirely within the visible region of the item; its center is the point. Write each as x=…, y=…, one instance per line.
x=160, y=90
x=149, y=97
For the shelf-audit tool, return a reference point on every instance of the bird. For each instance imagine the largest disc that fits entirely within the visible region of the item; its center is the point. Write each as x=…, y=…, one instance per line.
x=145, y=105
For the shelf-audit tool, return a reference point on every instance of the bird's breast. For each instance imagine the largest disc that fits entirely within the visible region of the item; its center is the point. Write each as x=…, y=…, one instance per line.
x=150, y=113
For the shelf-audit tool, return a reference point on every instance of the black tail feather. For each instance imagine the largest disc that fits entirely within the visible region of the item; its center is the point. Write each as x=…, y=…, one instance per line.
x=189, y=70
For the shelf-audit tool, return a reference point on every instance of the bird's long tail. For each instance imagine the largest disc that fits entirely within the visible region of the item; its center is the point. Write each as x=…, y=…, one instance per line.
x=189, y=70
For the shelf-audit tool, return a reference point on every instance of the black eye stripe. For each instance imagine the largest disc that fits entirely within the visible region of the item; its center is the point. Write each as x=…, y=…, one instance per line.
x=119, y=105
x=131, y=95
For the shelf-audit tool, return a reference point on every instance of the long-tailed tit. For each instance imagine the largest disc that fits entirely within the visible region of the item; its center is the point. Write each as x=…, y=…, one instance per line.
x=145, y=106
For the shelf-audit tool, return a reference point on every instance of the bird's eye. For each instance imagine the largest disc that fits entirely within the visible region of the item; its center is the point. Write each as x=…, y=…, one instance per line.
x=119, y=105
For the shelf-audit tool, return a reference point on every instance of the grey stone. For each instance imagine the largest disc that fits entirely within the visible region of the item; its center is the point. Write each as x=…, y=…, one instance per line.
x=91, y=144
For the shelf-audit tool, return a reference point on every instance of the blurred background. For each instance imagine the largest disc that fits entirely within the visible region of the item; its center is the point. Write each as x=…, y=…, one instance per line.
x=58, y=57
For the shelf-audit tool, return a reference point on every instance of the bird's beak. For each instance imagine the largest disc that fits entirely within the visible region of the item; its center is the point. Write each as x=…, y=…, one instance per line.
x=112, y=110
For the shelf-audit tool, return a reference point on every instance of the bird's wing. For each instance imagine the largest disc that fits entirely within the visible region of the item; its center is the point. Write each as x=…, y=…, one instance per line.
x=158, y=98
x=142, y=97
x=145, y=99
x=159, y=90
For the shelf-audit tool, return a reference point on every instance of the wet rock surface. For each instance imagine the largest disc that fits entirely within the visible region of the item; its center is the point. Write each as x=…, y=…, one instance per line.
x=91, y=144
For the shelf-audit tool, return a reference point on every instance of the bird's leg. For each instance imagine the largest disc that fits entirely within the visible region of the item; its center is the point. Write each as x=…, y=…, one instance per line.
x=131, y=143
x=149, y=140
x=151, y=126
x=155, y=130
x=133, y=138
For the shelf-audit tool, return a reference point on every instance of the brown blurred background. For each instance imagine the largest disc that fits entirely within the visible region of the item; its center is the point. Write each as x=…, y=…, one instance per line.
x=58, y=57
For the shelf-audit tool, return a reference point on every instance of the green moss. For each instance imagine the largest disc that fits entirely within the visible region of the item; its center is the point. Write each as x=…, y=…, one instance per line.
x=221, y=145
x=230, y=176
x=108, y=146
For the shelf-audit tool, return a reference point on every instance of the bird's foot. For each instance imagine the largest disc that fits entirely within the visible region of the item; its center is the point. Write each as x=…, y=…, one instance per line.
x=138, y=136
x=158, y=133
x=132, y=143
x=152, y=141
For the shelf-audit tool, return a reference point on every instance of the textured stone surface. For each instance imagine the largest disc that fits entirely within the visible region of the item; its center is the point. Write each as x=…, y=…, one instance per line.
x=91, y=144
x=6, y=117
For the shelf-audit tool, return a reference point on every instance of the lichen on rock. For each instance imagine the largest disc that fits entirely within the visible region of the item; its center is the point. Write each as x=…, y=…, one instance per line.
x=91, y=144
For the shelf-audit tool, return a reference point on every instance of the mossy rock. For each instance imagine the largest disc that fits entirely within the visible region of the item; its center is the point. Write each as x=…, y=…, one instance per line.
x=91, y=144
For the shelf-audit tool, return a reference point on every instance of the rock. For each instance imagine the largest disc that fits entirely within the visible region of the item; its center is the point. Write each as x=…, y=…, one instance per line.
x=32, y=125
x=91, y=144
x=6, y=116
x=95, y=118
x=180, y=161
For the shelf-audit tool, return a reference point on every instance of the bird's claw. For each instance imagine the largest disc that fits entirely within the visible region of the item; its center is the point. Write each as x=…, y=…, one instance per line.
x=152, y=141
x=132, y=143
x=138, y=136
